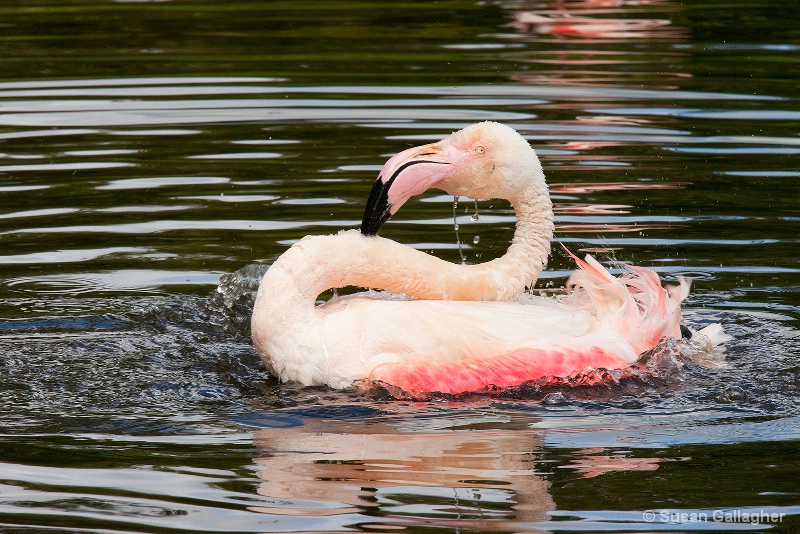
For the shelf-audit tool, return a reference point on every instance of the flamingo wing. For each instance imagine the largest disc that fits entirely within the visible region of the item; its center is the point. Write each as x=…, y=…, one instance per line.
x=503, y=371
x=629, y=314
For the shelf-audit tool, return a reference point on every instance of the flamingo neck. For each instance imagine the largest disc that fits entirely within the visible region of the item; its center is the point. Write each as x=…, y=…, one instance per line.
x=318, y=263
x=519, y=268
x=505, y=278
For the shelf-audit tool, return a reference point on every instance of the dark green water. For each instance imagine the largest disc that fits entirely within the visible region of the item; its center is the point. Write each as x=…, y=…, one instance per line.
x=156, y=156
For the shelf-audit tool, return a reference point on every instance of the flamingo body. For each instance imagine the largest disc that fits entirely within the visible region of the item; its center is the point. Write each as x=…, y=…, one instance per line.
x=450, y=346
x=445, y=327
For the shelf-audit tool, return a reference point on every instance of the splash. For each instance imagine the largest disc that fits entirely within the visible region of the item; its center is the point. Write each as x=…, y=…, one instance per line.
x=230, y=306
x=477, y=215
x=456, y=227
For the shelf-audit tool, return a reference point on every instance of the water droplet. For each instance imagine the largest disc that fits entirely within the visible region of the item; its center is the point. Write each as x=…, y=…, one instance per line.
x=733, y=394
x=476, y=240
x=455, y=225
x=476, y=215
x=554, y=398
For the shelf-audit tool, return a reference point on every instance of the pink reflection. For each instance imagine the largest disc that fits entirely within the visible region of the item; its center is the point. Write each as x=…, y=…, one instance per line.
x=590, y=187
x=593, y=78
x=592, y=209
x=584, y=145
x=593, y=27
x=596, y=20
x=419, y=472
x=607, y=32
x=611, y=120
x=591, y=462
x=326, y=468
x=613, y=228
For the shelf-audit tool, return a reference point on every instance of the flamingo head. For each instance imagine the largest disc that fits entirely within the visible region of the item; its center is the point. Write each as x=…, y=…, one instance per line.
x=485, y=160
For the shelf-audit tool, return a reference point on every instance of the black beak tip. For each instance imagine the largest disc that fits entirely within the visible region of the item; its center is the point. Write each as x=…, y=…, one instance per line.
x=373, y=222
x=378, y=210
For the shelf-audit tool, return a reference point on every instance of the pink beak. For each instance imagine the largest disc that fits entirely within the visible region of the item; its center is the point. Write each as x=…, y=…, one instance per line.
x=407, y=174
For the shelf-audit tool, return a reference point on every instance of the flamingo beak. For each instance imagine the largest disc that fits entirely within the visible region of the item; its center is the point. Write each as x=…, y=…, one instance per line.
x=405, y=175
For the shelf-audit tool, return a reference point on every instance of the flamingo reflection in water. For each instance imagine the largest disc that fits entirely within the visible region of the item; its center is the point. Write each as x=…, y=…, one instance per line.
x=479, y=472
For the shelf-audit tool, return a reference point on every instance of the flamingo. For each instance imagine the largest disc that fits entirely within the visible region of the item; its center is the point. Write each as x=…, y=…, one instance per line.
x=443, y=327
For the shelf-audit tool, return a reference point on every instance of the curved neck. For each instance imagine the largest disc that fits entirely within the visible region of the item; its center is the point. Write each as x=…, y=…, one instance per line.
x=519, y=268
x=318, y=263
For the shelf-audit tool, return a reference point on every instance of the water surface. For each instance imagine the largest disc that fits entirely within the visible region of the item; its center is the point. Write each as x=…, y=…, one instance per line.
x=156, y=157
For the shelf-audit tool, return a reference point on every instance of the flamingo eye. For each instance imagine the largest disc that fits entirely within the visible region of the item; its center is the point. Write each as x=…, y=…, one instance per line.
x=480, y=150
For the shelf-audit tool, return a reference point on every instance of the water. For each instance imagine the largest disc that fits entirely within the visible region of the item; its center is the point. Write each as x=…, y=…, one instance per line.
x=155, y=157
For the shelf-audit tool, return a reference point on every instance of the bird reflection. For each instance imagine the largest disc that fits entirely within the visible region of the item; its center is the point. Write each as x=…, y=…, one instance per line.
x=468, y=472
x=585, y=38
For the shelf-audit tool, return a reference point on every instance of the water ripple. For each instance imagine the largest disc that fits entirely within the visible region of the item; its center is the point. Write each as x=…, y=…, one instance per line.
x=162, y=181
x=178, y=115
x=69, y=256
x=238, y=155
x=546, y=92
x=131, y=280
x=174, y=225
x=82, y=166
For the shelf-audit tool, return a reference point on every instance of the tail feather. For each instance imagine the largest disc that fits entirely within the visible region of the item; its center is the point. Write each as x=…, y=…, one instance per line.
x=635, y=304
x=591, y=266
x=716, y=336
